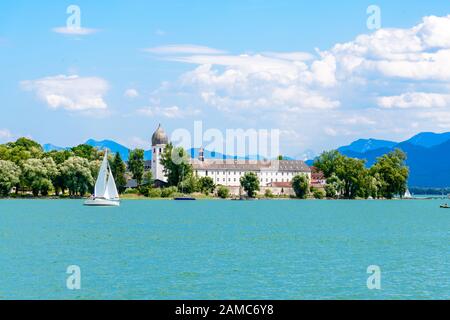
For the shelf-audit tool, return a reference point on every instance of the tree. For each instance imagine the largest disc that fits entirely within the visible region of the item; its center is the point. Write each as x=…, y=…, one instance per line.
x=136, y=164
x=86, y=151
x=9, y=176
x=392, y=172
x=21, y=150
x=300, y=184
x=59, y=156
x=223, y=192
x=206, y=185
x=351, y=172
x=76, y=175
x=328, y=162
x=189, y=185
x=38, y=175
x=250, y=184
x=176, y=164
x=148, y=179
x=118, y=169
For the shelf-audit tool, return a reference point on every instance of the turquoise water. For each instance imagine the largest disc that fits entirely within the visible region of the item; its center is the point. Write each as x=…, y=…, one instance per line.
x=225, y=249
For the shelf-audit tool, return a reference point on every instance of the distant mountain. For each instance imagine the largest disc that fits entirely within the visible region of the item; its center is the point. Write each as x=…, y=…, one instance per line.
x=428, y=160
x=365, y=145
x=429, y=139
x=111, y=145
x=50, y=147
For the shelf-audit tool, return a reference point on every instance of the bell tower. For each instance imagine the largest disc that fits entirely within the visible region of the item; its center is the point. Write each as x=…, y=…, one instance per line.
x=159, y=143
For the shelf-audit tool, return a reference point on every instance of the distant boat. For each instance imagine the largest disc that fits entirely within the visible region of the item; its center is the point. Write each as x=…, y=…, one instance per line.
x=184, y=199
x=445, y=206
x=105, y=193
x=407, y=195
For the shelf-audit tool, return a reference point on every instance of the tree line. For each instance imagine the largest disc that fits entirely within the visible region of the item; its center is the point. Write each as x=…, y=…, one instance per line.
x=26, y=167
x=349, y=178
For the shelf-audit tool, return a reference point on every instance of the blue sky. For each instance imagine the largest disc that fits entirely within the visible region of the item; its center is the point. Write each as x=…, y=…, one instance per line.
x=233, y=64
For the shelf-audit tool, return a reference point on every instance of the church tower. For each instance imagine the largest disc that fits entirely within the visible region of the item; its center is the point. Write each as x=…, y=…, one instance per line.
x=159, y=143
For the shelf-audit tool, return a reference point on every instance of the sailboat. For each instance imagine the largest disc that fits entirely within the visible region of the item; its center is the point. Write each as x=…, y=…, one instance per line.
x=407, y=195
x=105, y=193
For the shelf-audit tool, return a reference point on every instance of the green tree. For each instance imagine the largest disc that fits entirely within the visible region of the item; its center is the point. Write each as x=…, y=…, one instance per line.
x=190, y=184
x=76, y=174
x=136, y=164
x=86, y=151
x=59, y=156
x=250, y=184
x=21, y=150
x=38, y=175
x=148, y=179
x=300, y=184
x=392, y=172
x=351, y=172
x=328, y=162
x=118, y=168
x=176, y=165
x=223, y=192
x=9, y=176
x=207, y=185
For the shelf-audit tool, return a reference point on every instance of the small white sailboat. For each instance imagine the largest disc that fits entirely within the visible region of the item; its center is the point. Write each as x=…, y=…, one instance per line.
x=105, y=193
x=407, y=195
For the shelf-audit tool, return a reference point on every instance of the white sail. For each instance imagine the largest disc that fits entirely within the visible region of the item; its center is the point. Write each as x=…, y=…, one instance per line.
x=111, y=189
x=100, y=184
x=407, y=195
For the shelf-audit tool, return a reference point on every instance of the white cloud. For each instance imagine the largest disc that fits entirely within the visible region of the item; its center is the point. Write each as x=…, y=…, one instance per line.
x=5, y=135
x=75, y=31
x=415, y=100
x=167, y=112
x=353, y=89
x=183, y=49
x=131, y=93
x=73, y=93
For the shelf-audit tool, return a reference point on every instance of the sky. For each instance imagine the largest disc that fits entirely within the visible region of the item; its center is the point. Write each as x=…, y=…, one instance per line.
x=324, y=73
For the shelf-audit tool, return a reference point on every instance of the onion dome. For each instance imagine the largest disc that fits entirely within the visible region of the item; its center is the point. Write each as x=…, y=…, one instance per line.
x=159, y=137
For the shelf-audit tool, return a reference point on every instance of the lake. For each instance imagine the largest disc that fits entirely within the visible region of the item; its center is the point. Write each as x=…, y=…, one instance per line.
x=225, y=249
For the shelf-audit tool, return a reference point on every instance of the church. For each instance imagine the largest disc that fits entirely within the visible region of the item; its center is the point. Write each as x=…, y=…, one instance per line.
x=275, y=175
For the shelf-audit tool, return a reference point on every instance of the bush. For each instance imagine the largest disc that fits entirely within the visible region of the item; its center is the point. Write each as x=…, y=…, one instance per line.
x=154, y=193
x=268, y=193
x=223, y=192
x=169, y=192
x=319, y=194
x=131, y=191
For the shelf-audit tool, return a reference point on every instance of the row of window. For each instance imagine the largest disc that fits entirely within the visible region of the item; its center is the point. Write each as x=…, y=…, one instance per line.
x=262, y=180
x=240, y=173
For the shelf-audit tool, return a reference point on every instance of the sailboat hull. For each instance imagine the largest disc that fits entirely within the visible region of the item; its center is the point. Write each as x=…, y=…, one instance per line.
x=102, y=203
